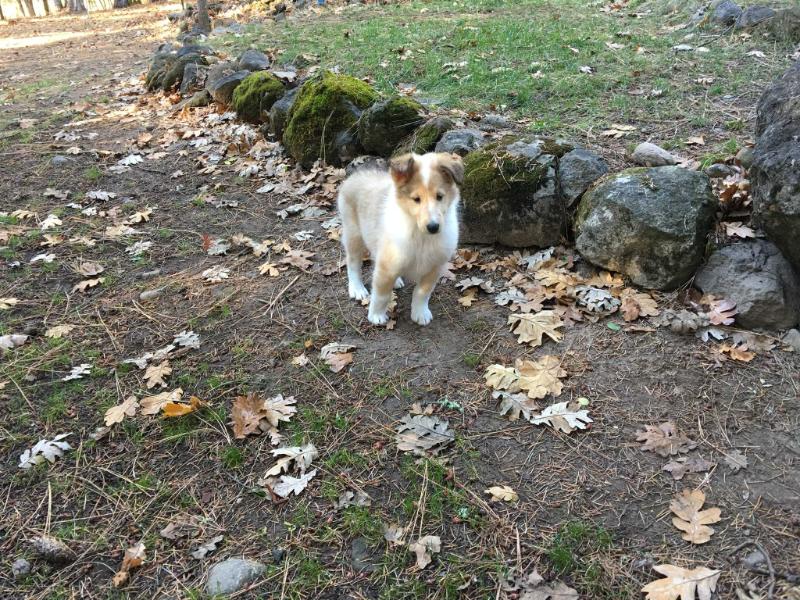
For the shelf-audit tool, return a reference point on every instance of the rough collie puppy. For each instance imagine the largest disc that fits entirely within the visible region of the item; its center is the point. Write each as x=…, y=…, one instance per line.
x=408, y=220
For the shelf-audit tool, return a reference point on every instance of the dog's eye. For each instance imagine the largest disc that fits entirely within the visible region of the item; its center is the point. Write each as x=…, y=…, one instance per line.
x=440, y=196
x=415, y=199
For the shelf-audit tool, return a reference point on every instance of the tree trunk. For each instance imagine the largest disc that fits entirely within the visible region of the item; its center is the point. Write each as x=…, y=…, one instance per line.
x=77, y=6
x=2, y=16
x=203, y=22
x=120, y=3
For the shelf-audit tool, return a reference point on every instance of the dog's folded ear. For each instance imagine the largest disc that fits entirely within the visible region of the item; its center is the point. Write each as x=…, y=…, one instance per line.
x=452, y=166
x=402, y=168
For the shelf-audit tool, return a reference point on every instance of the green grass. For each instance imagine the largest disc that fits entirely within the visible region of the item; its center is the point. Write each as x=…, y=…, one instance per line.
x=93, y=173
x=524, y=56
x=232, y=457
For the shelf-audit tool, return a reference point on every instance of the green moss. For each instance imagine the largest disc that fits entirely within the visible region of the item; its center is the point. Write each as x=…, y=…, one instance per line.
x=384, y=125
x=253, y=98
x=492, y=172
x=326, y=106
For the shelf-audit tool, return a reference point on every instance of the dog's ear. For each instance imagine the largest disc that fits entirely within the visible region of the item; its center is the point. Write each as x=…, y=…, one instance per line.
x=402, y=168
x=452, y=166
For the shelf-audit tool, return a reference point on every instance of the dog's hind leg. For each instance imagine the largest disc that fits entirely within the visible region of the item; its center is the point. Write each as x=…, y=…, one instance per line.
x=354, y=248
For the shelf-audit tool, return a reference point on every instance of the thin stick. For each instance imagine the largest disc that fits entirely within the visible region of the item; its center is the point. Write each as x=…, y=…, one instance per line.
x=281, y=293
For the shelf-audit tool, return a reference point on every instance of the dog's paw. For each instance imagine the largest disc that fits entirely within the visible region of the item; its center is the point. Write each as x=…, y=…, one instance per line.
x=421, y=316
x=398, y=283
x=378, y=318
x=357, y=291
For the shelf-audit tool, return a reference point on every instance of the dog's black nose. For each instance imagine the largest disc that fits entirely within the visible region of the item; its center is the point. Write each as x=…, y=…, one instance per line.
x=433, y=227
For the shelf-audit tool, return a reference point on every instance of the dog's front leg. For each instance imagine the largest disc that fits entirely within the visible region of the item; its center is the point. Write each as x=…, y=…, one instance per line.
x=420, y=313
x=383, y=280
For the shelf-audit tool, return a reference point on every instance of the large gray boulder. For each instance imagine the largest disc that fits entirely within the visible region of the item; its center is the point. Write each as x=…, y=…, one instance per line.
x=754, y=15
x=385, y=124
x=253, y=60
x=577, y=170
x=775, y=173
x=460, y=141
x=725, y=12
x=759, y=279
x=222, y=89
x=649, y=223
x=510, y=195
x=232, y=575
x=279, y=113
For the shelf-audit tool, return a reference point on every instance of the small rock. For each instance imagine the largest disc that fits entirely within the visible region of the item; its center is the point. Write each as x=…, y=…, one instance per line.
x=52, y=550
x=725, y=13
x=150, y=274
x=201, y=98
x=754, y=560
x=577, y=170
x=193, y=76
x=232, y=575
x=222, y=89
x=460, y=141
x=491, y=122
x=792, y=339
x=361, y=557
x=650, y=224
x=754, y=15
x=718, y=170
x=650, y=155
x=253, y=60
x=756, y=276
x=278, y=554
x=363, y=163
x=151, y=294
x=20, y=568
x=785, y=25
x=59, y=161
x=745, y=157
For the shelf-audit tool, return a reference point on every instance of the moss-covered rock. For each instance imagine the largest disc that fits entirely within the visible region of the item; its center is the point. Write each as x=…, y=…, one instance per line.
x=279, y=113
x=510, y=195
x=253, y=98
x=324, y=118
x=159, y=65
x=384, y=124
x=648, y=223
x=424, y=138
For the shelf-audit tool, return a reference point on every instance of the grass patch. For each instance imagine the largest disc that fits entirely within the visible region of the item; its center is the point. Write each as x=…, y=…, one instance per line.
x=521, y=55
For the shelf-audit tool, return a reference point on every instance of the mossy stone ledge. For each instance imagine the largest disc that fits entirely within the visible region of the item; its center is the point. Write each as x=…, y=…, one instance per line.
x=510, y=195
x=255, y=95
x=385, y=124
x=323, y=121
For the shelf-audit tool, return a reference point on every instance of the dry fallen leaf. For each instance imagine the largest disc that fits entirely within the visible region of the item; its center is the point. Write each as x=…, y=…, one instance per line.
x=155, y=374
x=116, y=414
x=735, y=460
x=418, y=433
x=424, y=548
x=252, y=414
x=637, y=304
x=58, y=331
x=737, y=352
x=664, y=440
x=540, y=377
x=530, y=327
x=152, y=405
x=563, y=417
x=87, y=283
x=502, y=493
x=298, y=258
x=203, y=550
x=515, y=405
x=134, y=557
x=690, y=519
x=298, y=456
x=178, y=409
x=469, y=297
x=7, y=303
x=336, y=355
x=269, y=269
x=696, y=141
x=736, y=229
x=292, y=485
x=680, y=466
x=682, y=583
x=89, y=269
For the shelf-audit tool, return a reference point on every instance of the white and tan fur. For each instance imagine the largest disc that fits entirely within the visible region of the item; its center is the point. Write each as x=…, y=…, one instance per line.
x=408, y=220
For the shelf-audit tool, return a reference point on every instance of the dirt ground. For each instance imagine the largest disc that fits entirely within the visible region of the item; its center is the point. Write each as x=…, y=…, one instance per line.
x=593, y=508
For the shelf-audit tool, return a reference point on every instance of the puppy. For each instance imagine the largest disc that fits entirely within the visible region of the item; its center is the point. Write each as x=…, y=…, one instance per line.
x=408, y=220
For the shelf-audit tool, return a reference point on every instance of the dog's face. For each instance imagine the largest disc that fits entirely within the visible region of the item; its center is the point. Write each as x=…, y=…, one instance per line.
x=426, y=186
